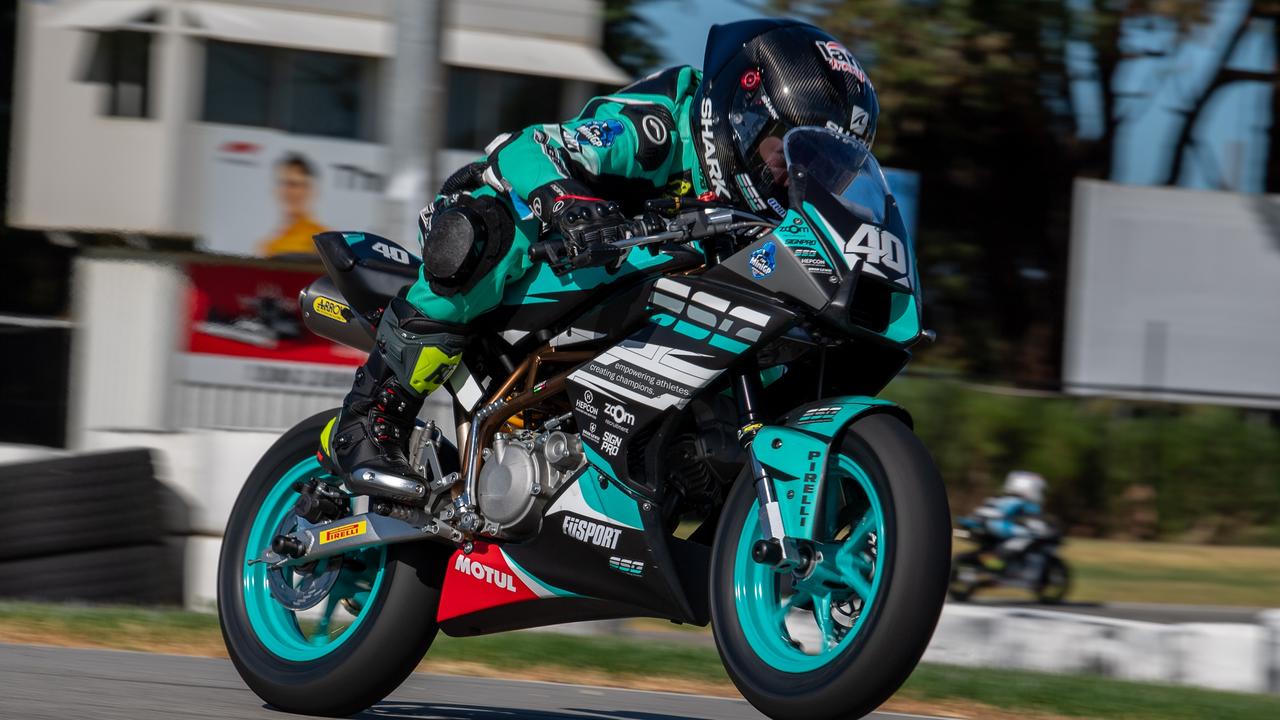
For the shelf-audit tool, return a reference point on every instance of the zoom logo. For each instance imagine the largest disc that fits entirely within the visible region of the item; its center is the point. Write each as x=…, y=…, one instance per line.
x=619, y=414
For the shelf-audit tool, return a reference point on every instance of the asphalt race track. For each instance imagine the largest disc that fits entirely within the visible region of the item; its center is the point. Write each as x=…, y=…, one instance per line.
x=67, y=684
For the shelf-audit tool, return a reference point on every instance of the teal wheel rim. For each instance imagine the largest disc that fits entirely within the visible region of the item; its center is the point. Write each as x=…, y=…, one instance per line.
x=307, y=635
x=802, y=625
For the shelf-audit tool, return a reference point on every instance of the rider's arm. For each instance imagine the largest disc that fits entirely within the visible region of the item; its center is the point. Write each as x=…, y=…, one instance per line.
x=615, y=141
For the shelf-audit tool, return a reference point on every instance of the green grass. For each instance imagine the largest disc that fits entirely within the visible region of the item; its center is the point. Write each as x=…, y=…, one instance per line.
x=1109, y=571
x=1084, y=696
x=124, y=627
x=611, y=655
x=622, y=658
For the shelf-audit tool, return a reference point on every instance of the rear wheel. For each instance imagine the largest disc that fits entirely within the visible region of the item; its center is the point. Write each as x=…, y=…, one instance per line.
x=332, y=637
x=837, y=642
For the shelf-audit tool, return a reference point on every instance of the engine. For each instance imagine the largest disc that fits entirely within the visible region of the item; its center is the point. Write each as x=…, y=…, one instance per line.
x=521, y=472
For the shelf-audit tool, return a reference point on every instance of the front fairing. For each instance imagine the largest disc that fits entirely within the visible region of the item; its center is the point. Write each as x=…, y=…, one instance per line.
x=845, y=229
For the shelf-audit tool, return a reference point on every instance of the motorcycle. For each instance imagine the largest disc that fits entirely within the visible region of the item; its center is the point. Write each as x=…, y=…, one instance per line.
x=709, y=364
x=1030, y=562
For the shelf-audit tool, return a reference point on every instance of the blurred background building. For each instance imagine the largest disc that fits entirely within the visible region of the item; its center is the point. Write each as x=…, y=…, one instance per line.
x=244, y=128
x=167, y=118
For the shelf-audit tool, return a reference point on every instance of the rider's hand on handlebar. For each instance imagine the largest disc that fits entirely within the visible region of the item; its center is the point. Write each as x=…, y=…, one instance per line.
x=588, y=227
x=586, y=221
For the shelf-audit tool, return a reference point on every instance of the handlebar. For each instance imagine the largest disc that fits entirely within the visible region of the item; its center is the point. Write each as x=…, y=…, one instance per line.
x=695, y=223
x=542, y=252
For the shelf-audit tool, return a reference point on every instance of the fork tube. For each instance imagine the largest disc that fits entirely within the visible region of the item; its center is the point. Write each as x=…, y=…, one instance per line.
x=747, y=391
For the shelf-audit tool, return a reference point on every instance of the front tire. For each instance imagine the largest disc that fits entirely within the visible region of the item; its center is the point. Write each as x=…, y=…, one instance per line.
x=959, y=589
x=893, y=506
x=1055, y=581
x=298, y=662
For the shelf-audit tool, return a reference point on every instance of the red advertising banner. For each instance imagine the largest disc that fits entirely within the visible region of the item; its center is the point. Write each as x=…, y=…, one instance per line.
x=244, y=328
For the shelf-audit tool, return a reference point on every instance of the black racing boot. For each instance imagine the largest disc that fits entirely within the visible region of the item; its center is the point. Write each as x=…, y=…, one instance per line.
x=367, y=443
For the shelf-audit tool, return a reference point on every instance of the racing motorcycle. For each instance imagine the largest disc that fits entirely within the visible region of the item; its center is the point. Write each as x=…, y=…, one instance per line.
x=708, y=365
x=1030, y=562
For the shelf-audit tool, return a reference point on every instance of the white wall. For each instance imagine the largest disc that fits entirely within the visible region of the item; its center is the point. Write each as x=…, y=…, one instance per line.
x=1174, y=290
x=72, y=167
x=128, y=312
x=1223, y=656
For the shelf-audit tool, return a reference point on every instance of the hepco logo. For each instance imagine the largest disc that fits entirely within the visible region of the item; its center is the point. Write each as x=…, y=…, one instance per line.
x=484, y=573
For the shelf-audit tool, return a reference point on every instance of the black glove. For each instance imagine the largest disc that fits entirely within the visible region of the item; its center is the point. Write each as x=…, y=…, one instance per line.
x=587, y=227
x=586, y=221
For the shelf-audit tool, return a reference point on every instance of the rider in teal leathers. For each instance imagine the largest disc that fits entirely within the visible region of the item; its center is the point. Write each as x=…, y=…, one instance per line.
x=674, y=133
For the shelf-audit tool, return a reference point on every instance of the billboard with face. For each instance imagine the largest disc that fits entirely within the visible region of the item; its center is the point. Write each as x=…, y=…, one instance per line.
x=264, y=193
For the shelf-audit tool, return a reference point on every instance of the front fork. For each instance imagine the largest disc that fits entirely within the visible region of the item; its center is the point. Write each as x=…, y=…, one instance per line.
x=774, y=548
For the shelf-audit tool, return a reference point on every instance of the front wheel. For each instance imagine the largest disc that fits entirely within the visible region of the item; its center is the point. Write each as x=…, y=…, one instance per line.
x=1054, y=582
x=337, y=635
x=837, y=642
x=964, y=576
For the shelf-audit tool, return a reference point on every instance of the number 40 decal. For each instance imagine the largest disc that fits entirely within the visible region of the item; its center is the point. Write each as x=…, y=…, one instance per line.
x=392, y=252
x=884, y=254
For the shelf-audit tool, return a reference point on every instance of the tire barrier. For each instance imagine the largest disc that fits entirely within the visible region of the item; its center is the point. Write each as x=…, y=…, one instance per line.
x=89, y=527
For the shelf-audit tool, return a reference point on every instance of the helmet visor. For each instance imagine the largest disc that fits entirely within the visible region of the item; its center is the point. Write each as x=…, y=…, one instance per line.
x=757, y=136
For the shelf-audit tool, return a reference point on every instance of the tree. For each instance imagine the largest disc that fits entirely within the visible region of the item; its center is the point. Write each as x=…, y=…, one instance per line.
x=628, y=37
x=983, y=100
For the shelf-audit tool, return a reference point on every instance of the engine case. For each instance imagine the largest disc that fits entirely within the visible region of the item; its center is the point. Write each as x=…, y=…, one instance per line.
x=522, y=471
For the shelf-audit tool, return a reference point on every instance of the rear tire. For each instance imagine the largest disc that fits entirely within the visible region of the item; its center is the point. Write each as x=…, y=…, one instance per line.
x=389, y=638
x=855, y=676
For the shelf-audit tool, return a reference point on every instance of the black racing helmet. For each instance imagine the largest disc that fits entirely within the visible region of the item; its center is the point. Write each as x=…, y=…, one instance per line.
x=760, y=79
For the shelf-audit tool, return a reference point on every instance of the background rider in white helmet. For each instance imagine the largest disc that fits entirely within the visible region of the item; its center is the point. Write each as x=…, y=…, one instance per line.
x=1014, y=516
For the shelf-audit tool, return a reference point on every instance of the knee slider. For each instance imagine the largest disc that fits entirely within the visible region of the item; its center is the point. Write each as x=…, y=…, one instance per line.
x=466, y=240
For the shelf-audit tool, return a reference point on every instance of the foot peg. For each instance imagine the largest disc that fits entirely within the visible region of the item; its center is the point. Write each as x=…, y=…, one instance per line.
x=365, y=481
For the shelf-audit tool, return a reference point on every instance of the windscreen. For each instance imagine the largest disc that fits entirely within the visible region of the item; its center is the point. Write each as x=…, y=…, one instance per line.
x=843, y=166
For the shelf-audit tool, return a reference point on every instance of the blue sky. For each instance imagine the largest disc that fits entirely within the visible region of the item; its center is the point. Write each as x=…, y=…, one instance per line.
x=685, y=24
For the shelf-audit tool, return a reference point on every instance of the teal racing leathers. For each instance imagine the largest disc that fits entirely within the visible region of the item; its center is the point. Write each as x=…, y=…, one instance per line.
x=628, y=147
x=624, y=148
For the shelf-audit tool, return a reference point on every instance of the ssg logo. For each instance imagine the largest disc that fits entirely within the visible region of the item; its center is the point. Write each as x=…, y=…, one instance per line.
x=484, y=573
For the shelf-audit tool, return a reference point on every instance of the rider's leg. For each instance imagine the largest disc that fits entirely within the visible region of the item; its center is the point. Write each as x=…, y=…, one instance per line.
x=413, y=356
x=420, y=342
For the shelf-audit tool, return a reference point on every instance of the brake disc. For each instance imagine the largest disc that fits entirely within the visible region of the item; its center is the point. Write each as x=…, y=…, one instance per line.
x=302, y=587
